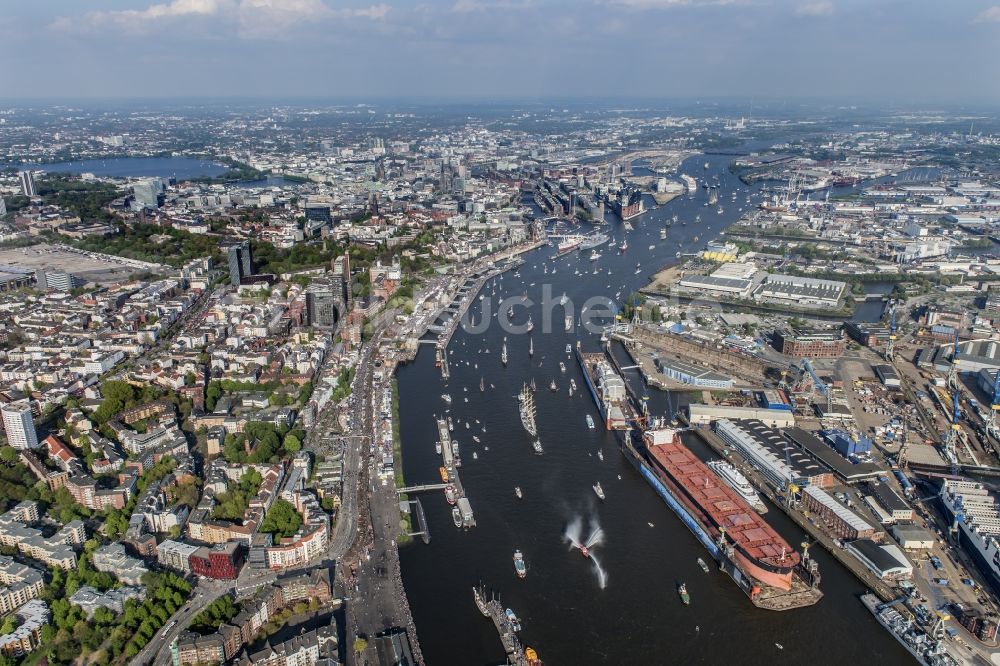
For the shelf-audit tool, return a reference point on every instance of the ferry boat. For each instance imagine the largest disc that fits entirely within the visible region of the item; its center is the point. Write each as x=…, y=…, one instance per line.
x=518, y=493
x=735, y=480
x=456, y=516
x=598, y=490
x=663, y=234
x=527, y=409
x=974, y=509
x=519, y=566
x=443, y=472
x=569, y=350
x=590, y=423
x=532, y=657
x=437, y=447
x=449, y=494
x=682, y=592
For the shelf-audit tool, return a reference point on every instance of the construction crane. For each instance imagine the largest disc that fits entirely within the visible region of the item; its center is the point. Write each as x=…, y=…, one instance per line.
x=953, y=371
x=940, y=628
x=890, y=343
x=991, y=419
x=819, y=384
x=951, y=440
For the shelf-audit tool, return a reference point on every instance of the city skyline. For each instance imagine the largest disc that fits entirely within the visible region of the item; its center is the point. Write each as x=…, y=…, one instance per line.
x=890, y=52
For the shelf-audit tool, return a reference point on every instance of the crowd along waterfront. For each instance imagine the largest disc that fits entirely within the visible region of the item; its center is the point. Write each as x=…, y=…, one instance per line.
x=621, y=604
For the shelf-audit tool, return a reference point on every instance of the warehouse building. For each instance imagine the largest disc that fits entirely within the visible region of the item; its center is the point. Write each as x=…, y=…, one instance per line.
x=911, y=537
x=887, y=562
x=699, y=414
x=772, y=455
x=844, y=469
x=894, y=506
x=976, y=355
x=797, y=290
x=842, y=521
x=888, y=376
x=689, y=373
x=726, y=286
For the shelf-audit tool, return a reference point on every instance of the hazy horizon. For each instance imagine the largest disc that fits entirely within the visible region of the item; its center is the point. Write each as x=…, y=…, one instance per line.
x=887, y=52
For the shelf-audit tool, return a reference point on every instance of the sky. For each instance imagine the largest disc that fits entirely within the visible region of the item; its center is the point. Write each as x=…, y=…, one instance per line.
x=891, y=51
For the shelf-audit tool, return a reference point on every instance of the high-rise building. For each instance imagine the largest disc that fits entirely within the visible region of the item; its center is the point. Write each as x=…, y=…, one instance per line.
x=342, y=271
x=325, y=302
x=240, y=262
x=147, y=193
x=19, y=425
x=57, y=280
x=27, y=184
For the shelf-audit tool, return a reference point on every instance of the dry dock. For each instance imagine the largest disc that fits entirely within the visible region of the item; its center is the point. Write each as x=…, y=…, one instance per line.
x=842, y=556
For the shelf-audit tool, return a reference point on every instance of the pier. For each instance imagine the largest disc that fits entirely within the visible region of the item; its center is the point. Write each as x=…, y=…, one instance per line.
x=423, y=529
x=452, y=461
x=494, y=610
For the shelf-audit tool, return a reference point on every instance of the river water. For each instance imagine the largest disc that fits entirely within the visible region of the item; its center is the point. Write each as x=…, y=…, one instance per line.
x=568, y=617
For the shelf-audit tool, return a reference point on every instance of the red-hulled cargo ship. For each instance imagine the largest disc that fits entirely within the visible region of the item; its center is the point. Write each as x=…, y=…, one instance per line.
x=759, y=550
x=747, y=548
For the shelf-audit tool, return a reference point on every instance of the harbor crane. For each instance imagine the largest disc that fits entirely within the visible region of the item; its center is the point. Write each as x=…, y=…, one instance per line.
x=940, y=627
x=951, y=440
x=991, y=419
x=891, y=342
x=953, y=371
x=819, y=384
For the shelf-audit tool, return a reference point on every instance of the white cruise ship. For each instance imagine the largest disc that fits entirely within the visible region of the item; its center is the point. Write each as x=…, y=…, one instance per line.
x=735, y=480
x=976, y=515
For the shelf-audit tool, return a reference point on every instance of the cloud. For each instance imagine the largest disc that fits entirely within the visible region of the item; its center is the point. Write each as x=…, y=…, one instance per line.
x=254, y=19
x=468, y=6
x=821, y=8
x=141, y=18
x=990, y=15
x=669, y=4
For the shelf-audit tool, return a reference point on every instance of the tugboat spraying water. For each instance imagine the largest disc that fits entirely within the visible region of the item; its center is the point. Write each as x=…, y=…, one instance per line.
x=574, y=536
